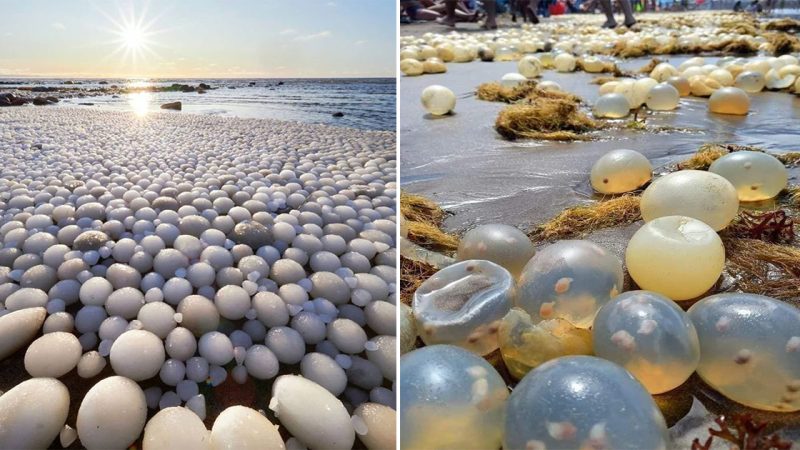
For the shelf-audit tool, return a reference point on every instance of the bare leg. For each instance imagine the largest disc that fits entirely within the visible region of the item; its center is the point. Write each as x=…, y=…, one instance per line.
x=450, y=9
x=491, y=13
x=628, y=11
x=605, y=5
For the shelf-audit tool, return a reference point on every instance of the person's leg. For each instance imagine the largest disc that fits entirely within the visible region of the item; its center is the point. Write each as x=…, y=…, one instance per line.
x=628, y=11
x=530, y=10
x=605, y=5
x=450, y=13
x=490, y=6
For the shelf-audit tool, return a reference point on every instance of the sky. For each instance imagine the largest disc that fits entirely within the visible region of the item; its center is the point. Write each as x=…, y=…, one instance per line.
x=198, y=38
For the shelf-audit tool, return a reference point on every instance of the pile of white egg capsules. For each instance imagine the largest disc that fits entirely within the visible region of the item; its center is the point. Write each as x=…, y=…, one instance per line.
x=158, y=258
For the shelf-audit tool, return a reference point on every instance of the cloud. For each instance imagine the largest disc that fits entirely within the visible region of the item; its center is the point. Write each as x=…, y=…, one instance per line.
x=8, y=33
x=361, y=42
x=288, y=31
x=311, y=37
x=58, y=26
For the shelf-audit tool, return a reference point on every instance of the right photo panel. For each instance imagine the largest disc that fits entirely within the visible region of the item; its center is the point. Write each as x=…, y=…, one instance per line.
x=598, y=242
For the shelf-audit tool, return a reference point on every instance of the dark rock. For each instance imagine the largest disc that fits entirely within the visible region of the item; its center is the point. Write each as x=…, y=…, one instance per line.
x=19, y=101
x=43, y=89
x=204, y=86
x=69, y=82
x=252, y=83
x=338, y=114
x=280, y=83
x=177, y=106
x=90, y=240
x=86, y=104
x=115, y=96
x=201, y=91
x=52, y=99
x=187, y=88
x=40, y=101
x=231, y=87
x=103, y=82
x=252, y=234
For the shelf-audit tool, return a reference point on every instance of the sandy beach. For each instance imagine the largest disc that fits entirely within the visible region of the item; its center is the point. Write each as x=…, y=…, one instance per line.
x=62, y=146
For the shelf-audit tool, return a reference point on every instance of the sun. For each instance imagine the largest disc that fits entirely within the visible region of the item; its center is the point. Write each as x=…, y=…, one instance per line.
x=133, y=38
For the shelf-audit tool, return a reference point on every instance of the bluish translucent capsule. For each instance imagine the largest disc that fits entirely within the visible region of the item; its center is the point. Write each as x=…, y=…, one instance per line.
x=750, y=349
x=570, y=280
x=463, y=304
x=582, y=402
x=650, y=336
x=450, y=399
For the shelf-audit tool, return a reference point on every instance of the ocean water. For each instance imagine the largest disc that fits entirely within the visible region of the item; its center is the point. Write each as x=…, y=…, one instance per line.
x=367, y=103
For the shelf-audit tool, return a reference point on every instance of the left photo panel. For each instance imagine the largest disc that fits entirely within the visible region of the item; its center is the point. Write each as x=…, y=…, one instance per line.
x=198, y=210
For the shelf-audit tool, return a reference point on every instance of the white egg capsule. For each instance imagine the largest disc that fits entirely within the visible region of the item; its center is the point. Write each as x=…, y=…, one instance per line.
x=438, y=100
x=755, y=175
x=620, y=171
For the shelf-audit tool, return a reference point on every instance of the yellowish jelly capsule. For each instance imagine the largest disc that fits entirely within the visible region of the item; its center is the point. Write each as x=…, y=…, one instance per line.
x=701, y=195
x=529, y=66
x=722, y=77
x=641, y=89
x=411, y=67
x=611, y=106
x=564, y=62
x=409, y=53
x=548, y=60
x=626, y=88
x=650, y=336
x=761, y=65
x=681, y=84
x=462, y=54
x=549, y=86
x=797, y=86
x=774, y=80
x=426, y=51
x=663, y=97
x=609, y=87
x=791, y=69
x=619, y=171
x=750, y=349
x=450, y=399
x=525, y=345
x=511, y=80
x=729, y=100
x=755, y=175
x=446, y=52
x=676, y=256
x=663, y=71
x=582, y=402
x=408, y=329
x=486, y=53
x=693, y=72
x=434, y=65
x=592, y=64
x=750, y=81
x=570, y=280
x=463, y=304
x=703, y=86
x=438, y=100
x=505, y=54
x=501, y=244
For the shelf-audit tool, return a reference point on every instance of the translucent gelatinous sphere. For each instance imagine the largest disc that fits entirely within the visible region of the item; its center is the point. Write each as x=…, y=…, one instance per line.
x=525, y=345
x=750, y=349
x=548, y=60
x=408, y=329
x=462, y=305
x=462, y=54
x=650, y=336
x=676, y=256
x=681, y=84
x=411, y=67
x=775, y=80
x=500, y=244
x=750, y=81
x=729, y=100
x=641, y=89
x=722, y=77
x=511, y=80
x=699, y=194
x=592, y=65
x=619, y=171
x=570, y=280
x=548, y=85
x=582, y=402
x=438, y=100
x=529, y=67
x=611, y=106
x=755, y=175
x=663, y=97
x=450, y=399
x=564, y=62
x=664, y=71
x=505, y=54
x=434, y=65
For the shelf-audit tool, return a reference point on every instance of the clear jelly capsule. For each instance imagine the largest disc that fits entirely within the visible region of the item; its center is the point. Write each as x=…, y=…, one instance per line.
x=462, y=305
